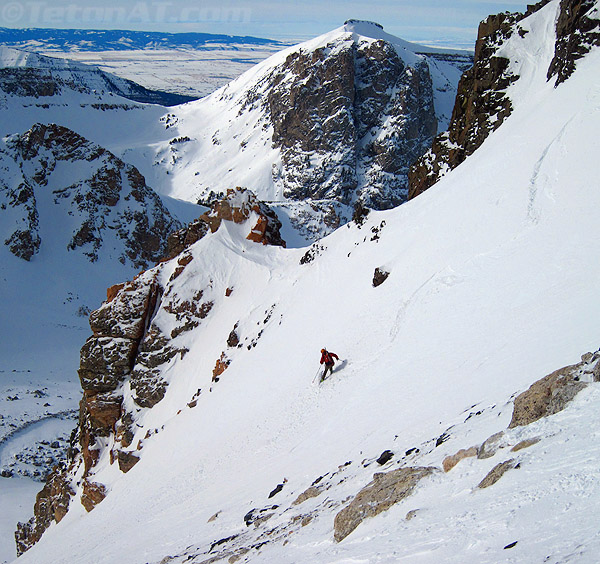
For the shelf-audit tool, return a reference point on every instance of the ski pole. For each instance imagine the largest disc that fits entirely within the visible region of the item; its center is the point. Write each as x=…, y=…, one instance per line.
x=315, y=376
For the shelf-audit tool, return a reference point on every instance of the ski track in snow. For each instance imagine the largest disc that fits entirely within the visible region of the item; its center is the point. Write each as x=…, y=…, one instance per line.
x=541, y=182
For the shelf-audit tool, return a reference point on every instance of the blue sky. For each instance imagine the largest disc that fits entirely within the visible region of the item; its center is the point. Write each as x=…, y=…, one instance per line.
x=444, y=22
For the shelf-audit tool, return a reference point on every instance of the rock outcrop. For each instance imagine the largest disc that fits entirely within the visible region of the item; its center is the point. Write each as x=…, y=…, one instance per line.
x=240, y=205
x=122, y=362
x=481, y=102
x=51, y=505
x=347, y=116
x=104, y=204
x=497, y=472
x=385, y=490
x=480, y=95
x=577, y=31
x=451, y=461
x=553, y=392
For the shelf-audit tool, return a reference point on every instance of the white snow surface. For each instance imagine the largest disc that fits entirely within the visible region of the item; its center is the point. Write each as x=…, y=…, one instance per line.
x=494, y=276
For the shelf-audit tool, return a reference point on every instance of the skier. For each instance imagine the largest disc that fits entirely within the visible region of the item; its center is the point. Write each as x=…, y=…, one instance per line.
x=327, y=360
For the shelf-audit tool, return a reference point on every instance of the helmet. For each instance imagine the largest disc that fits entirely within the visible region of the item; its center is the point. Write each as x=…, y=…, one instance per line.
x=323, y=350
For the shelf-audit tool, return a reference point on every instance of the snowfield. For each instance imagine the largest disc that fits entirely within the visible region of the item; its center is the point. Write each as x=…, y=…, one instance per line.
x=494, y=277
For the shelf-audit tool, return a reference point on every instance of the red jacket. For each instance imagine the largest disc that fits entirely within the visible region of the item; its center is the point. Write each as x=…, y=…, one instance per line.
x=327, y=358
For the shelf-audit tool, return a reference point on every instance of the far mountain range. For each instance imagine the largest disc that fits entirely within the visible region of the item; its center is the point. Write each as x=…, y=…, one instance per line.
x=120, y=40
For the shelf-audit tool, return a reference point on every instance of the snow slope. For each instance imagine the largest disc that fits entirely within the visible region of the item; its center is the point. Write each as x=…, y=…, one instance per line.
x=493, y=284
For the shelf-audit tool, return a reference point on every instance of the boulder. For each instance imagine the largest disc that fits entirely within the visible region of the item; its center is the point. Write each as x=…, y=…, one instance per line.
x=385, y=490
x=220, y=366
x=525, y=444
x=233, y=340
x=497, y=472
x=379, y=277
x=311, y=492
x=547, y=396
x=92, y=494
x=451, y=461
x=127, y=460
x=490, y=446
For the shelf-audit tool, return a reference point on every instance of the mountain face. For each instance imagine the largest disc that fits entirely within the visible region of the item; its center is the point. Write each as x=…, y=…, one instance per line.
x=333, y=121
x=483, y=101
x=52, y=172
x=301, y=135
x=201, y=438
x=121, y=364
x=24, y=73
x=358, y=101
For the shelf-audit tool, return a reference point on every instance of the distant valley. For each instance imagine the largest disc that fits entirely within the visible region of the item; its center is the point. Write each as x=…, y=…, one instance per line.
x=189, y=64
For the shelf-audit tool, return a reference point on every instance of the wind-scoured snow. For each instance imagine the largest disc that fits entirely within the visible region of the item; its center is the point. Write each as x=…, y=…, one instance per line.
x=494, y=276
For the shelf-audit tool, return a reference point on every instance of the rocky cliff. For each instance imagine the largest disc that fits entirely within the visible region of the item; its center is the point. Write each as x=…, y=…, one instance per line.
x=348, y=119
x=135, y=335
x=82, y=196
x=482, y=103
x=577, y=31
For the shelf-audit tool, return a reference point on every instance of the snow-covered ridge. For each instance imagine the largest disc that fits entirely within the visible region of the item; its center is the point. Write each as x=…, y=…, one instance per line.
x=79, y=76
x=376, y=31
x=12, y=58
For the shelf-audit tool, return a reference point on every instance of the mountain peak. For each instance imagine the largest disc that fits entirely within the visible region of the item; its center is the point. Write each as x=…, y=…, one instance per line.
x=359, y=26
